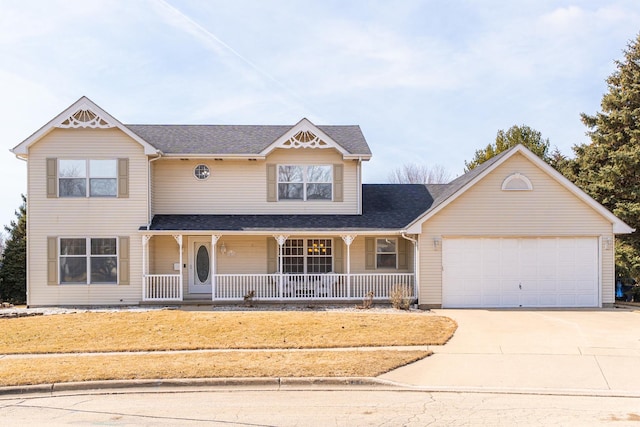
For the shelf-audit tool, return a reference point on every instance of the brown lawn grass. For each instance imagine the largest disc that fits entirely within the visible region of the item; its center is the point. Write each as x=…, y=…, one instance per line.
x=45, y=370
x=273, y=332
x=183, y=330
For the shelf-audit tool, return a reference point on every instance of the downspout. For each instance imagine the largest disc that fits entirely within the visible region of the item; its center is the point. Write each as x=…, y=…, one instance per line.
x=416, y=263
x=149, y=189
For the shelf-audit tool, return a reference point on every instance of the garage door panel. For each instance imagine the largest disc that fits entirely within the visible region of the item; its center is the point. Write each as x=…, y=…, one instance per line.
x=584, y=285
x=529, y=301
x=547, y=285
x=547, y=300
x=520, y=272
x=509, y=300
x=586, y=301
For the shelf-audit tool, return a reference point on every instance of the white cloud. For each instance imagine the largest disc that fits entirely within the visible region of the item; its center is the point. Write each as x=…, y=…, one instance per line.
x=431, y=81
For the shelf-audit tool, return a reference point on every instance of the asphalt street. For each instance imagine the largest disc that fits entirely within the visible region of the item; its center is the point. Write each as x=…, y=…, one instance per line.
x=353, y=407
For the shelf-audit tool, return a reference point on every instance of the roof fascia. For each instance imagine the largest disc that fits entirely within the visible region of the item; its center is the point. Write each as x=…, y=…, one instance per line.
x=306, y=232
x=215, y=156
x=22, y=149
x=306, y=125
x=619, y=226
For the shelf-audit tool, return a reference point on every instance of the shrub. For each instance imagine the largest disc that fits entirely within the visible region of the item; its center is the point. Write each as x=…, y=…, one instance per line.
x=367, y=302
x=401, y=297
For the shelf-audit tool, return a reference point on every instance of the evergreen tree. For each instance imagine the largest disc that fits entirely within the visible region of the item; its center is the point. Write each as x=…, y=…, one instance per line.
x=530, y=138
x=13, y=270
x=608, y=168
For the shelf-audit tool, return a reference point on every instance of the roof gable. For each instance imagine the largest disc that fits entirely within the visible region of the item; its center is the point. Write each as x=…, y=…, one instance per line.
x=305, y=134
x=456, y=188
x=83, y=113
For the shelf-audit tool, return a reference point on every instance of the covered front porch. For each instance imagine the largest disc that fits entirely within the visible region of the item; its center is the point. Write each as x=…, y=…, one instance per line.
x=277, y=268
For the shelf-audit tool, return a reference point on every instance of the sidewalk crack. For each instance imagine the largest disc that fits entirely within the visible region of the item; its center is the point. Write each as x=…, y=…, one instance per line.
x=602, y=372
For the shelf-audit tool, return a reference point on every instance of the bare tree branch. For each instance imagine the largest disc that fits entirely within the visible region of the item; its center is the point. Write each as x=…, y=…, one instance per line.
x=412, y=173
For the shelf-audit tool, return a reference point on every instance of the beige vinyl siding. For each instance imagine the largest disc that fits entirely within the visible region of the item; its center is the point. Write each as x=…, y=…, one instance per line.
x=608, y=272
x=240, y=186
x=486, y=210
x=85, y=217
x=164, y=251
x=244, y=255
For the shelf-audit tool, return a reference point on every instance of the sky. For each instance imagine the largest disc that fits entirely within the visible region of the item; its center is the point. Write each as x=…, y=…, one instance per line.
x=429, y=82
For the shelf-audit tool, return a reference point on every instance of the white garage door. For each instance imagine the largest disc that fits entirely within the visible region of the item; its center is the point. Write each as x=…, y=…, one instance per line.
x=520, y=272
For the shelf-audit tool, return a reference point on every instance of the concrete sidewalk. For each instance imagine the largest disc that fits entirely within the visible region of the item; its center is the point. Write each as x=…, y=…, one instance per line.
x=573, y=351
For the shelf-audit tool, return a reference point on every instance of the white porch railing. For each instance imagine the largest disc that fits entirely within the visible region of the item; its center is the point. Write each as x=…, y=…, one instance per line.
x=162, y=287
x=329, y=286
x=285, y=287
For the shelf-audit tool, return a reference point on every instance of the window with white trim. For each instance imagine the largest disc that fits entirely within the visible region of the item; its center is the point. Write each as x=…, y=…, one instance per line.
x=305, y=182
x=305, y=256
x=88, y=178
x=386, y=253
x=88, y=260
x=202, y=172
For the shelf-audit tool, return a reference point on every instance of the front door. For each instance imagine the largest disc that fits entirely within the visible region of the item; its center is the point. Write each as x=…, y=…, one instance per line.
x=200, y=268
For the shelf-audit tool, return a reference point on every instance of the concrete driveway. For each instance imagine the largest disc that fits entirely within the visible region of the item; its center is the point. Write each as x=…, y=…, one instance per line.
x=567, y=351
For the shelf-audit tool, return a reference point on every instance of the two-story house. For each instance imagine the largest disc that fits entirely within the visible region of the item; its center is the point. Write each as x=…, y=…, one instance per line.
x=127, y=214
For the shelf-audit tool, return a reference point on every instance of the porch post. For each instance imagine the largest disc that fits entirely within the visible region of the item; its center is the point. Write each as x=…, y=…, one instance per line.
x=145, y=265
x=214, y=271
x=348, y=239
x=280, y=239
x=178, y=238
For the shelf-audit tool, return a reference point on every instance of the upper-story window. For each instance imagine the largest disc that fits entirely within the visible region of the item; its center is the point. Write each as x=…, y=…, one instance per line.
x=202, y=172
x=305, y=182
x=92, y=178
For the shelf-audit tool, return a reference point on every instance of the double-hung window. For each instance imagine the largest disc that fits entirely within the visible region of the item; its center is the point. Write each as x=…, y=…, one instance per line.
x=386, y=253
x=305, y=182
x=302, y=256
x=88, y=260
x=88, y=178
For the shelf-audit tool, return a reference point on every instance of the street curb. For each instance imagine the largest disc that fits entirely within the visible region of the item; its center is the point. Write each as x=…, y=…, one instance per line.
x=267, y=382
x=26, y=389
x=178, y=385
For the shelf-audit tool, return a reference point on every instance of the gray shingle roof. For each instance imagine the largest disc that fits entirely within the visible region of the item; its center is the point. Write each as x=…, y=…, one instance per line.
x=236, y=139
x=384, y=207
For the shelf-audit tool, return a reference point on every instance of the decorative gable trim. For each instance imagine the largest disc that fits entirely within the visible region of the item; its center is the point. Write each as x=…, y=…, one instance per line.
x=304, y=139
x=83, y=113
x=619, y=226
x=305, y=134
x=85, y=117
